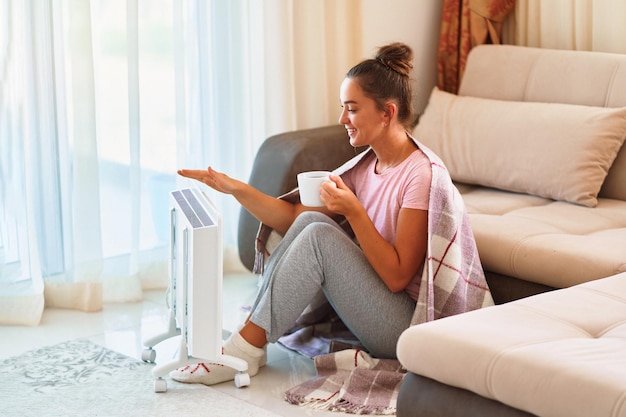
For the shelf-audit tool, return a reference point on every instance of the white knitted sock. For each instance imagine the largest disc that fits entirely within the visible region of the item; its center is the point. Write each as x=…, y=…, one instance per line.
x=215, y=373
x=264, y=357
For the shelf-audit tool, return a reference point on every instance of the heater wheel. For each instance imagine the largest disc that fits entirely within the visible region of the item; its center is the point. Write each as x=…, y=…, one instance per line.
x=242, y=379
x=160, y=385
x=148, y=355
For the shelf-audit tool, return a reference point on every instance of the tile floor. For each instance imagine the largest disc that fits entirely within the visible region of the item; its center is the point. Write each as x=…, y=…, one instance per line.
x=123, y=327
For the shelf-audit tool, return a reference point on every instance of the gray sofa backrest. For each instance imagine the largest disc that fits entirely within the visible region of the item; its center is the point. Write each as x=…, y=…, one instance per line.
x=517, y=73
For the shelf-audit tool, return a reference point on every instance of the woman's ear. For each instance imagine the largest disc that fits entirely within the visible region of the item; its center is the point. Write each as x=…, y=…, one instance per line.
x=391, y=109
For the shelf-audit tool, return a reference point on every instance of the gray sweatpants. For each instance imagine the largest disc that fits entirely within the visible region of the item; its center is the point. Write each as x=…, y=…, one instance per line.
x=316, y=254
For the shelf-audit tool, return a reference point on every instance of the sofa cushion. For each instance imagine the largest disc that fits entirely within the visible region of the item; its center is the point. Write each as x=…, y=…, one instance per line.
x=555, y=354
x=515, y=73
x=553, y=150
x=545, y=241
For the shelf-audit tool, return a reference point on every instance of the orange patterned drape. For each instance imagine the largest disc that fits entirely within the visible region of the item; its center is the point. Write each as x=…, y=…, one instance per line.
x=465, y=24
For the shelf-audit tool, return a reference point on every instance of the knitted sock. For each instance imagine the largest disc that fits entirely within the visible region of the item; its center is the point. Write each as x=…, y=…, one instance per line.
x=264, y=357
x=215, y=373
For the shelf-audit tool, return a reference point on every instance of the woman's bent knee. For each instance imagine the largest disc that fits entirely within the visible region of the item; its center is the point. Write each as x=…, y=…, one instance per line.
x=313, y=217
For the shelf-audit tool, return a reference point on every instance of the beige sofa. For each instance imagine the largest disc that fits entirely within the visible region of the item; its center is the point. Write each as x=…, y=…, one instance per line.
x=557, y=354
x=535, y=142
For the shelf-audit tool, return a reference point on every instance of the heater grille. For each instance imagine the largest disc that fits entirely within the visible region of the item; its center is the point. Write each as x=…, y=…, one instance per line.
x=192, y=209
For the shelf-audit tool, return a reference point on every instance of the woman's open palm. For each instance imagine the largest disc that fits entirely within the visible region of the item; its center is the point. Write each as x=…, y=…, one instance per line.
x=214, y=179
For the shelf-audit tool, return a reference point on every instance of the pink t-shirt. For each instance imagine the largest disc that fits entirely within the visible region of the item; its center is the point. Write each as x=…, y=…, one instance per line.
x=406, y=185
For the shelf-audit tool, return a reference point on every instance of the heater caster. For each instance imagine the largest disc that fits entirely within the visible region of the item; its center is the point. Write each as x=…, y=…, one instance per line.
x=160, y=385
x=148, y=355
x=242, y=379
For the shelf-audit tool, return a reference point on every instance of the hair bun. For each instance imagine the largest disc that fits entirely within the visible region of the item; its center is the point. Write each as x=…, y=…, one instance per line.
x=396, y=56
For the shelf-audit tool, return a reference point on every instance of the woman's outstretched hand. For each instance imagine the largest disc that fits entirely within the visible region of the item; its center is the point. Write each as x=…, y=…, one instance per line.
x=276, y=213
x=214, y=179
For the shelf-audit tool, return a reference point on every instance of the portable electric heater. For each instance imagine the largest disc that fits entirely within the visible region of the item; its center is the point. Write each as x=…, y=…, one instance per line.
x=195, y=288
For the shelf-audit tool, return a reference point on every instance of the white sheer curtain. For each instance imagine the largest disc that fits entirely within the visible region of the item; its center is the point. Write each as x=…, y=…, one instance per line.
x=253, y=69
x=590, y=25
x=101, y=102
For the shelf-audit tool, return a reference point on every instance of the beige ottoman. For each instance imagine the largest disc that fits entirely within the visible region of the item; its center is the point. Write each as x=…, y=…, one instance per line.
x=561, y=353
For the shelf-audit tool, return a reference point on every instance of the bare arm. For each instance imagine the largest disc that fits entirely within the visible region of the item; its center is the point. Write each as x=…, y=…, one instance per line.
x=274, y=212
x=396, y=263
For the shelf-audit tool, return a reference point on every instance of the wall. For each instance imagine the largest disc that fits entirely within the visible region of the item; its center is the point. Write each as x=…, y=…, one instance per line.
x=414, y=22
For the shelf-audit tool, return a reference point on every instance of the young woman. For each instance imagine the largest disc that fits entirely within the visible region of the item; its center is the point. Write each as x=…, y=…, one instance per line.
x=373, y=285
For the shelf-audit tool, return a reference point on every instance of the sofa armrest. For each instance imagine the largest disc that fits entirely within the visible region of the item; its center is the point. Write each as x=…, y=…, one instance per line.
x=277, y=163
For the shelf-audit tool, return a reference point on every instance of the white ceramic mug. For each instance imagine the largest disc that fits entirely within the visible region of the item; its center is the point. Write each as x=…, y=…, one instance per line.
x=309, y=184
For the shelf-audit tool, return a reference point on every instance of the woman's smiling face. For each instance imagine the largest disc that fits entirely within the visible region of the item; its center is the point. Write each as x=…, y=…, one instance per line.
x=363, y=120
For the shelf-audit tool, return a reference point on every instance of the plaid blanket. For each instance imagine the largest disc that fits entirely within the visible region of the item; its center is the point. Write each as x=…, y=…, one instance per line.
x=453, y=280
x=351, y=381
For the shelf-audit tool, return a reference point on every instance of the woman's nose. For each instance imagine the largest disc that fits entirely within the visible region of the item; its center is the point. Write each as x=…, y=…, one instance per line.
x=342, y=117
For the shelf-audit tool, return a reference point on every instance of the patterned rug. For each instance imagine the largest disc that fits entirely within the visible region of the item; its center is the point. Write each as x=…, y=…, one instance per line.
x=80, y=378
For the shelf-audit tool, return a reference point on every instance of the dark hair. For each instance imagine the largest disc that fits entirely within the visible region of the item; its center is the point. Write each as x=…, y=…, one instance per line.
x=386, y=77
